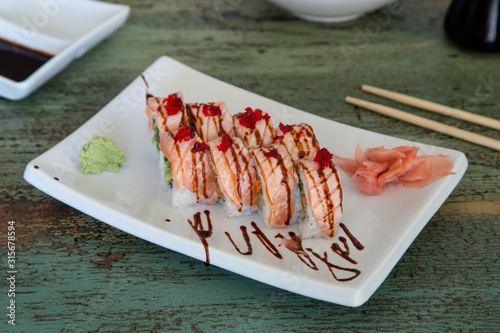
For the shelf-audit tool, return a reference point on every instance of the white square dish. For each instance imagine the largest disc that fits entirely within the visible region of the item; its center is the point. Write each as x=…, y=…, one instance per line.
x=136, y=199
x=63, y=29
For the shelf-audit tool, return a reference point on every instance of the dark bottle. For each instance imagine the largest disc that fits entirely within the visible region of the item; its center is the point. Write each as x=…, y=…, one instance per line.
x=474, y=24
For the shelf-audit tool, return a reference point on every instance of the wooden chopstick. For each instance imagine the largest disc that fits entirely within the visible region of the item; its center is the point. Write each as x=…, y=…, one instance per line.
x=427, y=123
x=434, y=107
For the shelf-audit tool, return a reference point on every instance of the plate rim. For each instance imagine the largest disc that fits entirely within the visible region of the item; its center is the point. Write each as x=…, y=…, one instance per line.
x=355, y=297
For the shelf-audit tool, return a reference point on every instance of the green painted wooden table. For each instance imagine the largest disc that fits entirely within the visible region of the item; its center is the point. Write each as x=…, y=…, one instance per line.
x=78, y=274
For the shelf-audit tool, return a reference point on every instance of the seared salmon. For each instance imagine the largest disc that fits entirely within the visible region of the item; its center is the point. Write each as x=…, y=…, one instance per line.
x=211, y=120
x=254, y=128
x=191, y=167
x=280, y=201
x=323, y=195
x=299, y=139
x=236, y=175
x=168, y=113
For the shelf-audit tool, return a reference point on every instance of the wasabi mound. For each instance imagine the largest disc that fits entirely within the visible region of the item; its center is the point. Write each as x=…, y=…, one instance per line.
x=101, y=154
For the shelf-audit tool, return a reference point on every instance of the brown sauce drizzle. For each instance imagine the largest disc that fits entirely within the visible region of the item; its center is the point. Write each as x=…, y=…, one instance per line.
x=245, y=237
x=353, y=239
x=148, y=95
x=284, y=182
x=310, y=135
x=265, y=241
x=185, y=120
x=36, y=167
x=220, y=131
x=204, y=174
x=300, y=144
x=328, y=208
x=305, y=142
x=270, y=129
x=217, y=120
x=246, y=170
x=249, y=169
x=294, y=244
x=337, y=177
x=238, y=168
x=56, y=178
x=242, y=169
x=195, y=176
x=344, y=254
x=331, y=267
x=258, y=137
x=167, y=220
x=197, y=119
x=323, y=185
x=202, y=234
x=245, y=139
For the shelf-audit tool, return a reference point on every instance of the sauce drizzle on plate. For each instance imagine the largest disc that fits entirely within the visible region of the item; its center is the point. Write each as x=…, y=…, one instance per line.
x=294, y=244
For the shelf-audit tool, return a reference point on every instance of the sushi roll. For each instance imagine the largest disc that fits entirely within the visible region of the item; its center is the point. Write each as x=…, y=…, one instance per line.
x=280, y=203
x=211, y=120
x=165, y=115
x=322, y=194
x=192, y=174
x=254, y=128
x=299, y=139
x=234, y=167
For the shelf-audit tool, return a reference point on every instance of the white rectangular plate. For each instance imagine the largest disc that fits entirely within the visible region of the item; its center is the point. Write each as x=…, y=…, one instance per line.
x=66, y=29
x=136, y=201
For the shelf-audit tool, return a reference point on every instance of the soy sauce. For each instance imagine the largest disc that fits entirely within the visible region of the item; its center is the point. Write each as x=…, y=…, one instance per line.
x=18, y=62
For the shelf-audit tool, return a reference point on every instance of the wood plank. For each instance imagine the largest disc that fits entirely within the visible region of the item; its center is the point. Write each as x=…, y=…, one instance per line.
x=78, y=274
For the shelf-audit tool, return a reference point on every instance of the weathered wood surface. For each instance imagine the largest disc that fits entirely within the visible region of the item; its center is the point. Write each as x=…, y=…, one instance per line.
x=78, y=274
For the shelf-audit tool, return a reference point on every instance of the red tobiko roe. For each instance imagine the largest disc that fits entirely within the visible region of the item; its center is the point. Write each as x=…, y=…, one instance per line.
x=272, y=153
x=227, y=141
x=266, y=116
x=211, y=110
x=324, y=158
x=285, y=128
x=200, y=146
x=173, y=105
x=251, y=117
x=186, y=133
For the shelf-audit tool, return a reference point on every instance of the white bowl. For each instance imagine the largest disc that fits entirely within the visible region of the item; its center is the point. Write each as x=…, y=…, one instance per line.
x=64, y=29
x=330, y=11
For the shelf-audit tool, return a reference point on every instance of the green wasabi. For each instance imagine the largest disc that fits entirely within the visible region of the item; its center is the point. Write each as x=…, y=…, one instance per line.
x=168, y=170
x=101, y=154
x=168, y=165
